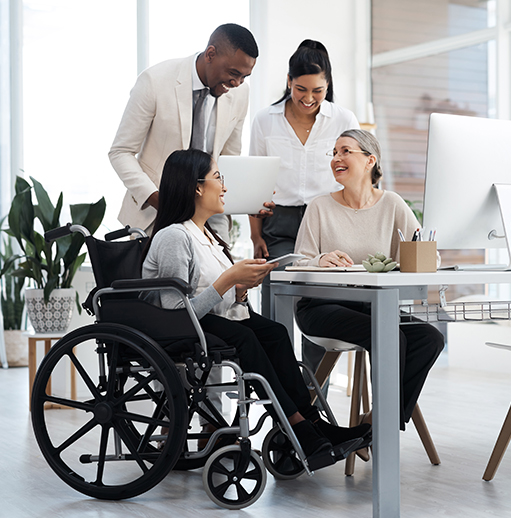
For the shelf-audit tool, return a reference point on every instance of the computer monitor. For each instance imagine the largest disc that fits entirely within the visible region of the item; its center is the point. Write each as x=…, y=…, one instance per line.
x=466, y=157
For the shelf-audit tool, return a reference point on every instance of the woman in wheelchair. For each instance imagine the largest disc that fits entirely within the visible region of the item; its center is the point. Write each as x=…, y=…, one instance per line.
x=184, y=246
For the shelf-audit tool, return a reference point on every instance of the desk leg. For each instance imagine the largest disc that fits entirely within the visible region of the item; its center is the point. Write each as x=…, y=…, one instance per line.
x=385, y=382
x=282, y=310
x=32, y=360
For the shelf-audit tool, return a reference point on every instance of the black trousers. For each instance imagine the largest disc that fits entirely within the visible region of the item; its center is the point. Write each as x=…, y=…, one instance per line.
x=279, y=233
x=263, y=346
x=419, y=344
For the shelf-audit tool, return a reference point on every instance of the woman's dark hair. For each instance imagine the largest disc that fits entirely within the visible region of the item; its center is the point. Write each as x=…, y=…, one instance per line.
x=311, y=57
x=176, y=197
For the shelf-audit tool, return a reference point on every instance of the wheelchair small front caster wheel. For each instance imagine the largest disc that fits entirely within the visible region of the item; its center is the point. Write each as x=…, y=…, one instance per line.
x=228, y=484
x=279, y=456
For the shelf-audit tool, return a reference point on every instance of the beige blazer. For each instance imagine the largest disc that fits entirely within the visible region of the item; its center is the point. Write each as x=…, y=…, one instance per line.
x=157, y=121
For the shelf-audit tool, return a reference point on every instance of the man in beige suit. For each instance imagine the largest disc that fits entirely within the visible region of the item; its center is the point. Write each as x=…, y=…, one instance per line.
x=158, y=117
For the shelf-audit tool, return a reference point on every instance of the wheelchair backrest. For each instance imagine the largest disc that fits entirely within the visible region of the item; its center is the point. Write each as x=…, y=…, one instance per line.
x=115, y=260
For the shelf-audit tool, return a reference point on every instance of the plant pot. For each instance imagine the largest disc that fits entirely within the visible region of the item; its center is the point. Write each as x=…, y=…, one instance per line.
x=16, y=348
x=51, y=317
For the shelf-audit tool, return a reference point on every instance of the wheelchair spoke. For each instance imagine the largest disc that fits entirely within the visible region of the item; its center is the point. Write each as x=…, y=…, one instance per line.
x=120, y=429
x=102, y=453
x=251, y=475
x=220, y=469
x=86, y=428
x=112, y=375
x=141, y=418
x=86, y=378
x=80, y=405
x=242, y=492
x=222, y=488
x=134, y=390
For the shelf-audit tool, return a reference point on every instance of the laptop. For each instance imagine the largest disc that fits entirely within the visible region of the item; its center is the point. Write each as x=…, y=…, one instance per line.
x=250, y=181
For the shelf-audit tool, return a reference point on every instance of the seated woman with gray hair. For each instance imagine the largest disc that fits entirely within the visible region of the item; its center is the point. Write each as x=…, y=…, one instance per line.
x=341, y=229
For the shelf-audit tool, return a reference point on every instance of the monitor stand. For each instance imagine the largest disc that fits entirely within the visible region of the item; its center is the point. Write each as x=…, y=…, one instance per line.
x=504, y=199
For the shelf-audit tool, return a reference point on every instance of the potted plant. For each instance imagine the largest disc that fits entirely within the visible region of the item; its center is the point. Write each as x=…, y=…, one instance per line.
x=50, y=266
x=12, y=302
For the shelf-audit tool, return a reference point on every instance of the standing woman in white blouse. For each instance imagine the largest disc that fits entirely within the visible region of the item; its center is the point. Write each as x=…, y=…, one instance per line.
x=300, y=128
x=184, y=246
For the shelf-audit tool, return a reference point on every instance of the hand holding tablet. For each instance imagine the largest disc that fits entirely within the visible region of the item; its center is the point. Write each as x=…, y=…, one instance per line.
x=287, y=259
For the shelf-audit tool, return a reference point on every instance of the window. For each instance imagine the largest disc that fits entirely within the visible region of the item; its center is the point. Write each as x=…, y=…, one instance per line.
x=429, y=56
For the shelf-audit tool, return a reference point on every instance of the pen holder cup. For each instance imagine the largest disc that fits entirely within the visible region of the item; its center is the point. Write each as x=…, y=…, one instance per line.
x=418, y=256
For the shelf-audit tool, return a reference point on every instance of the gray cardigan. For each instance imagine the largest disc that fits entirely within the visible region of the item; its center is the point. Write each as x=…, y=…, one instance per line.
x=172, y=254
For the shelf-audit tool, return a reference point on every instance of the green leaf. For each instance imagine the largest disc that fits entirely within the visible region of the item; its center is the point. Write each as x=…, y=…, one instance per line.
x=50, y=286
x=78, y=305
x=89, y=215
x=45, y=210
x=21, y=218
x=58, y=209
x=21, y=185
x=8, y=264
x=72, y=269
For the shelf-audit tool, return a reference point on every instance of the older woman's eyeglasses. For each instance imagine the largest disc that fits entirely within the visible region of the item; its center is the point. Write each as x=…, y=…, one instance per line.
x=218, y=179
x=345, y=152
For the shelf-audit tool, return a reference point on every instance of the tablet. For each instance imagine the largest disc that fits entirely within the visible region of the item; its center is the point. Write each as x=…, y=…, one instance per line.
x=287, y=259
x=250, y=181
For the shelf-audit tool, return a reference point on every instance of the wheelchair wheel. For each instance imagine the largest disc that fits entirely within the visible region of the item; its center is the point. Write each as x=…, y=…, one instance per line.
x=229, y=483
x=280, y=457
x=105, y=441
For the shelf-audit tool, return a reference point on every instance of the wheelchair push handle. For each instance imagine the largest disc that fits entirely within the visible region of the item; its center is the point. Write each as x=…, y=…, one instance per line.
x=123, y=232
x=57, y=233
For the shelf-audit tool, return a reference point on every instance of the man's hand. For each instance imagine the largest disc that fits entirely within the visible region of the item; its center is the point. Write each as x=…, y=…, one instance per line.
x=265, y=213
x=153, y=200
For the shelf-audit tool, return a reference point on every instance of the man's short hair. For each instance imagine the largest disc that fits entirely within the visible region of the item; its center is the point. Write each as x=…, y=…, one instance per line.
x=237, y=37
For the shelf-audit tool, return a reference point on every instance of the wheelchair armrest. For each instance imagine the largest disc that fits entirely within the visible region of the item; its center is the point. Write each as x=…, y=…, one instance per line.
x=138, y=284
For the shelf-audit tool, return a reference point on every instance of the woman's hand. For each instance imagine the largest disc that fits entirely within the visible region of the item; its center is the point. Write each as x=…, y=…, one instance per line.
x=336, y=258
x=249, y=272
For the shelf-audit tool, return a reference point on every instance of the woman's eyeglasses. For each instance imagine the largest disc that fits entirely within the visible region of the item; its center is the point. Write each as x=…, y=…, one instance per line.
x=345, y=152
x=218, y=179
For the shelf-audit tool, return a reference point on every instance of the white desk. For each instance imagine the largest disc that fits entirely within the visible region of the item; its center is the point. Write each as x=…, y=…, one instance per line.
x=383, y=291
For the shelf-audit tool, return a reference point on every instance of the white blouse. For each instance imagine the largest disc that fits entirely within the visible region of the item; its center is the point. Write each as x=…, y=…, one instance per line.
x=213, y=262
x=304, y=168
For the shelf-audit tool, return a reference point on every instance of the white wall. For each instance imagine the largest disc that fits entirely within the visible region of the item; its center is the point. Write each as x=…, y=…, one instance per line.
x=341, y=25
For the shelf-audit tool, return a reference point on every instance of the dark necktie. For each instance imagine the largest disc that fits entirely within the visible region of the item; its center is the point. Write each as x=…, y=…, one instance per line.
x=199, y=122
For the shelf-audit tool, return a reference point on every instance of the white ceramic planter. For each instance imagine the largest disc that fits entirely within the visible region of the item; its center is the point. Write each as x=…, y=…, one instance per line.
x=16, y=346
x=53, y=317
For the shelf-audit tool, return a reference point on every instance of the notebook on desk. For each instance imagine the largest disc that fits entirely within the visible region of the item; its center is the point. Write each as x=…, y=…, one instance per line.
x=354, y=268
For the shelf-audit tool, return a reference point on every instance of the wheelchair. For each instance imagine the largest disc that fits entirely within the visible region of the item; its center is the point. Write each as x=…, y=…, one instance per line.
x=143, y=379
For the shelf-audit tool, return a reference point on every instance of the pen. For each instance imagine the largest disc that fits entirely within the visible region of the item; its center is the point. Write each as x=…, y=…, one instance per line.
x=434, y=234
x=430, y=235
x=401, y=236
x=414, y=238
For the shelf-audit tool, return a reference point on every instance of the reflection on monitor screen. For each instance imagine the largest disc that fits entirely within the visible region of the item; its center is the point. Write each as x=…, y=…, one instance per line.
x=466, y=156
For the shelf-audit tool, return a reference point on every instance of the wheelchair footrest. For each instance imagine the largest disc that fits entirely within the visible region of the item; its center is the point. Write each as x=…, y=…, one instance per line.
x=346, y=448
x=321, y=460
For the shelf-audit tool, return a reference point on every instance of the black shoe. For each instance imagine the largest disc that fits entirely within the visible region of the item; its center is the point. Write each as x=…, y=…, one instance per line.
x=338, y=434
x=310, y=438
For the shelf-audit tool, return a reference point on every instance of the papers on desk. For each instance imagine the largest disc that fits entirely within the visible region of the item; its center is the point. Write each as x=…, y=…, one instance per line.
x=354, y=268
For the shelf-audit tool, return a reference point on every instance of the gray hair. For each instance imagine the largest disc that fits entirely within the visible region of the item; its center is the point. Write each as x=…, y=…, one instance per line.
x=369, y=144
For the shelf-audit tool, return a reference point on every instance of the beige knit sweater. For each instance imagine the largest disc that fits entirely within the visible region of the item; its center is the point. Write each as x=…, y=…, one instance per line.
x=327, y=226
